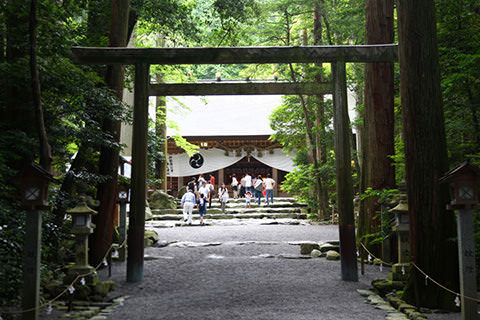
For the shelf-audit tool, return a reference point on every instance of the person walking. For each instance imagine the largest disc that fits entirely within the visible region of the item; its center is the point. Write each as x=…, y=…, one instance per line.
x=234, y=186
x=192, y=185
x=241, y=194
x=211, y=193
x=269, y=187
x=204, y=190
x=258, y=188
x=187, y=203
x=248, y=182
x=202, y=208
x=223, y=197
x=201, y=180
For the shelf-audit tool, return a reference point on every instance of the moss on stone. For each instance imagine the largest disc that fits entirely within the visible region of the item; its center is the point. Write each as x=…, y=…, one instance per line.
x=104, y=287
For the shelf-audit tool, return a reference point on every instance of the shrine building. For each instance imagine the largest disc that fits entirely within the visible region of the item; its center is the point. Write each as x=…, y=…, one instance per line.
x=232, y=134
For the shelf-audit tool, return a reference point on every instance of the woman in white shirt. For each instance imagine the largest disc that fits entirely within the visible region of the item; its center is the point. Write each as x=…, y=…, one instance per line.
x=223, y=196
x=234, y=186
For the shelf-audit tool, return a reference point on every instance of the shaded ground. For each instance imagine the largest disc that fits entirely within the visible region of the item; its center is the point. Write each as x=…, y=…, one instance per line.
x=233, y=278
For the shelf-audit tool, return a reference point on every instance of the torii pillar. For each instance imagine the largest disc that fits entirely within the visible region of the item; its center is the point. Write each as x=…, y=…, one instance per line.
x=346, y=223
x=136, y=228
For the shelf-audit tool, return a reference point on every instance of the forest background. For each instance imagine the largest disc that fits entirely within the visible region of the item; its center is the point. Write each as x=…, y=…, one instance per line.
x=80, y=107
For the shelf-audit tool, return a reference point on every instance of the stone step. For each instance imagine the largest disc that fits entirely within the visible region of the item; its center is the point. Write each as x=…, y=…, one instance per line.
x=157, y=224
x=230, y=204
x=253, y=215
x=228, y=210
x=236, y=206
x=275, y=199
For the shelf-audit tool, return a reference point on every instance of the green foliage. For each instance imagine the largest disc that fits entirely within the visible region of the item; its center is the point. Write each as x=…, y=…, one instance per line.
x=299, y=182
x=382, y=196
x=74, y=103
x=12, y=145
x=458, y=40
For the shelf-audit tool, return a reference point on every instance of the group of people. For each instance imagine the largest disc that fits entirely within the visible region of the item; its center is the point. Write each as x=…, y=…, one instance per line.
x=249, y=187
x=200, y=193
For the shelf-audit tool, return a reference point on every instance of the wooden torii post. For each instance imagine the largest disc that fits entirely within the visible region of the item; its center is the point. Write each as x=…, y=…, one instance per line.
x=142, y=58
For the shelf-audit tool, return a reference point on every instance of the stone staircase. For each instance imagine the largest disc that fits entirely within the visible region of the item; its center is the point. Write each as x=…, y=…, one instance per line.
x=282, y=208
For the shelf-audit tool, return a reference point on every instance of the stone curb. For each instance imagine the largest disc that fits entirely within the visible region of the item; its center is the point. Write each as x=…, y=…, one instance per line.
x=396, y=308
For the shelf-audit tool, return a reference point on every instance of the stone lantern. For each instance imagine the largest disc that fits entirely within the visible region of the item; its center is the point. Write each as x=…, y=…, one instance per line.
x=33, y=183
x=402, y=228
x=82, y=227
x=463, y=181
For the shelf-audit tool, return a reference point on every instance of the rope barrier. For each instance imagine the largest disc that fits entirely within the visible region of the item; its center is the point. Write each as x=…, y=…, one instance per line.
x=383, y=262
x=68, y=288
x=427, y=277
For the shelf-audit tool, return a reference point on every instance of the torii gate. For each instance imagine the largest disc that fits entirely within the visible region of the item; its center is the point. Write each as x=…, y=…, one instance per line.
x=142, y=58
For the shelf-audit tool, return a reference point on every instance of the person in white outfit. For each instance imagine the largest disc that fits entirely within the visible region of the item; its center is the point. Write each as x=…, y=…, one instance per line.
x=235, y=186
x=204, y=190
x=248, y=182
x=223, y=196
x=269, y=187
x=187, y=203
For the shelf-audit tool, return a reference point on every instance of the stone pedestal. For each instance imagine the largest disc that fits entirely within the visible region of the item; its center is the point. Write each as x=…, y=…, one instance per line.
x=466, y=254
x=31, y=266
x=81, y=266
x=399, y=272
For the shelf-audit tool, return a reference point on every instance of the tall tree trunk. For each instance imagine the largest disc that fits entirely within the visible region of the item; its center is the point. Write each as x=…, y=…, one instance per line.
x=161, y=130
x=432, y=228
x=161, y=133
x=109, y=157
x=3, y=30
x=320, y=121
x=45, y=150
x=18, y=111
x=379, y=115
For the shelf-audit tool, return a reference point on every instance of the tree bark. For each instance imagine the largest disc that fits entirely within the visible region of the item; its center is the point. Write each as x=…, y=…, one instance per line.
x=45, y=150
x=109, y=157
x=18, y=111
x=161, y=132
x=320, y=120
x=161, y=129
x=379, y=117
x=3, y=31
x=431, y=227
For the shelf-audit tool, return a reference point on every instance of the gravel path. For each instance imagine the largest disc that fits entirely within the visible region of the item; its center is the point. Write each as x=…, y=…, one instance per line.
x=233, y=278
